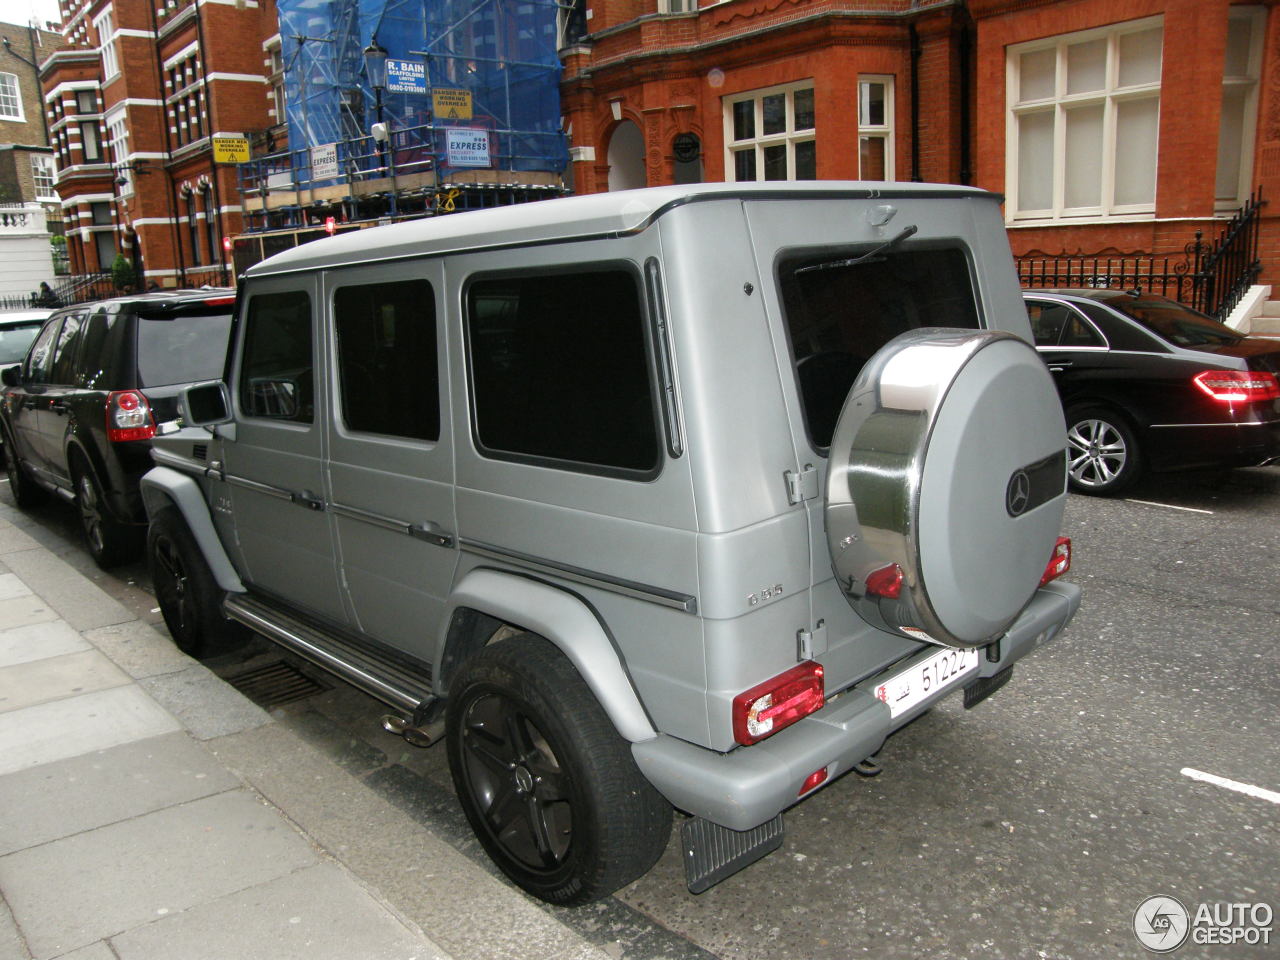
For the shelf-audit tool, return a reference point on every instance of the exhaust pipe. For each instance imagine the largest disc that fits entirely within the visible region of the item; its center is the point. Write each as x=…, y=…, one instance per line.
x=420, y=736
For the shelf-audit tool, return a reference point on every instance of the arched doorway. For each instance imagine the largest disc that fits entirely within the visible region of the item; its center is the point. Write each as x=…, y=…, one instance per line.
x=626, y=157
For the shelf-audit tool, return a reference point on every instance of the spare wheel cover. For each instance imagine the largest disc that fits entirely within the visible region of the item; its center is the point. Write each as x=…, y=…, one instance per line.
x=949, y=461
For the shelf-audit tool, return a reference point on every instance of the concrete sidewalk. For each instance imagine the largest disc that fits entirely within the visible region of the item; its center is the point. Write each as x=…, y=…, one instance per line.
x=148, y=811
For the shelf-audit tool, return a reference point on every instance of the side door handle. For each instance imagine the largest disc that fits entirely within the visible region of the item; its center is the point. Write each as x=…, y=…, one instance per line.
x=1059, y=366
x=58, y=406
x=309, y=500
x=431, y=532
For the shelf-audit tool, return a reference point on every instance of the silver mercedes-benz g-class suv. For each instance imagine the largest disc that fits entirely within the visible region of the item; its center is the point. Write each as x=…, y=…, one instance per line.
x=682, y=497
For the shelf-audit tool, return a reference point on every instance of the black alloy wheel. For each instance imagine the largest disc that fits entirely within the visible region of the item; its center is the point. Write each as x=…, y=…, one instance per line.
x=110, y=542
x=549, y=787
x=26, y=493
x=186, y=591
x=1103, y=455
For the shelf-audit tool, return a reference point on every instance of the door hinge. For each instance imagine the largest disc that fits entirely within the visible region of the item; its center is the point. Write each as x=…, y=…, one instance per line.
x=811, y=643
x=802, y=485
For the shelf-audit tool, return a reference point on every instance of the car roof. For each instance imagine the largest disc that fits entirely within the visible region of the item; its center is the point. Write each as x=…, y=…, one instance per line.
x=1100, y=294
x=15, y=317
x=158, y=301
x=599, y=215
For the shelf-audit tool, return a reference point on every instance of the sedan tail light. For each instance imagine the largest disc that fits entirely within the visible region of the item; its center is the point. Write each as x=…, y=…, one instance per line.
x=775, y=704
x=1238, y=386
x=129, y=417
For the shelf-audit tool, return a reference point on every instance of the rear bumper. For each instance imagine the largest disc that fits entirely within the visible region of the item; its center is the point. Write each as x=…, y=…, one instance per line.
x=1187, y=446
x=750, y=785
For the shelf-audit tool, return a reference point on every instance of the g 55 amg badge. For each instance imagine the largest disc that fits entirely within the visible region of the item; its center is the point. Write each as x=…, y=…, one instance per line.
x=768, y=593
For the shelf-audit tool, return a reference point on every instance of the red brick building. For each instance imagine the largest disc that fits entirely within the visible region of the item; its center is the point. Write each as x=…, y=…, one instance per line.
x=135, y=104
x=1109, y=125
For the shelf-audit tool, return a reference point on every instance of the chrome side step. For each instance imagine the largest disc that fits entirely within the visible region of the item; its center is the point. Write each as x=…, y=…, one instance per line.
x=391, y=683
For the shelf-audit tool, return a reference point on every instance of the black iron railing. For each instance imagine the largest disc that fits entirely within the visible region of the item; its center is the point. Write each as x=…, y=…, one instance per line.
x=1208, y=276
x=64, y=291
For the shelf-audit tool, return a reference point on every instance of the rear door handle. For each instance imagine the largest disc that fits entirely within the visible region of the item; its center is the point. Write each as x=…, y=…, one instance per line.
x=1059, y=367
x=309, y=500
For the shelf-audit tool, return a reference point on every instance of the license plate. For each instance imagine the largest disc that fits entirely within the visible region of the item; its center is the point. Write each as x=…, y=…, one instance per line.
x=922, y=680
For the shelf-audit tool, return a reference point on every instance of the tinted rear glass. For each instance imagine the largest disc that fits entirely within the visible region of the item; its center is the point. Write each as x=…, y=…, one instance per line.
x=1171, y=320
x=15, y=339
x=839, y=315
x=183, y=348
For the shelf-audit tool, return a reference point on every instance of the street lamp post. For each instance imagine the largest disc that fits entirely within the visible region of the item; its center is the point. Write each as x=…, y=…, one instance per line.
x=375, y=68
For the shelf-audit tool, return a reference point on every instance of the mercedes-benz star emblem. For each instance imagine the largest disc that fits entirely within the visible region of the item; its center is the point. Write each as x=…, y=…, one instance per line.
x=1018, y=493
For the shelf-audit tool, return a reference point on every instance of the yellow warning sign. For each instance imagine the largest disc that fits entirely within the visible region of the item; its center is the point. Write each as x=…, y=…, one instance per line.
x=230, y=150
x=451, y=104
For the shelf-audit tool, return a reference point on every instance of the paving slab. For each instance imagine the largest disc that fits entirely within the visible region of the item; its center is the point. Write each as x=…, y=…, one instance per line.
x=12, y=586
x=56, y=800
x=20, y=611
x=79, y=725
x=79, y=601
x=13, y=540
x=207, y=705
x=470, y=912
x=321, y=913
x=139, y=648
x=56, y=678
x=161, y=864
x=94, y=951
x=11, y=945
x=39, y=640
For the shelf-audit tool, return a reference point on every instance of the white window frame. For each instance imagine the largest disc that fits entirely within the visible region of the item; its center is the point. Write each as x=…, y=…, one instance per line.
x=13, y=87
x=43, y=167
x=1060, y=102
x=118, y=143
x=677, y=6
x=883, y=131
x=1257, y=16
x=790, y=135
x=104, y=23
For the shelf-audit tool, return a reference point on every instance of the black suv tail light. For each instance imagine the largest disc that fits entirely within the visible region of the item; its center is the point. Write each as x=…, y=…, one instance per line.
x=129, y=417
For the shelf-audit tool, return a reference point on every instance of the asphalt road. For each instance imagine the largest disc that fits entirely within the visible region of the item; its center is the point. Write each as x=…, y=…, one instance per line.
x=1030, y=827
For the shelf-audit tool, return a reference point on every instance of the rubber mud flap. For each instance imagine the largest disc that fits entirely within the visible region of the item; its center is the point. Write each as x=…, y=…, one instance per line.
x=946, y=480
x=713, y=853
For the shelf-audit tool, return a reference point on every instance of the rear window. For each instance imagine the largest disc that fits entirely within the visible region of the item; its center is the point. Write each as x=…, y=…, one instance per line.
x=838, y=314
x=1174, y=322
x=182, y=348
x=16, y=338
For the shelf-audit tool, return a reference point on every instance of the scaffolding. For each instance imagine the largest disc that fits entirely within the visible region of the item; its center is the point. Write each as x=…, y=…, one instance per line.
x=500, y=55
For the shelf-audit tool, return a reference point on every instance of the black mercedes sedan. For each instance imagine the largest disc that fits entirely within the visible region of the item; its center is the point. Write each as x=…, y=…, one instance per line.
x=1150, y=384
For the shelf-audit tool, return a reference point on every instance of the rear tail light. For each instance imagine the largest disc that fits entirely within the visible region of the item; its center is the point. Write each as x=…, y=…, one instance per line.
x=129, y=417
x=1059, y=561
x=1238, y=386
x=885, y=582
x=776, y=704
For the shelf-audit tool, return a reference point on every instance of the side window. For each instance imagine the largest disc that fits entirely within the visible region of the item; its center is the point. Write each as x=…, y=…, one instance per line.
x=1047, y=320
x=276, y=372
x=40, y=359
x=98, y=353
x=387, y=359
x=64, y=353
x=559, y=371
x=1078, y=333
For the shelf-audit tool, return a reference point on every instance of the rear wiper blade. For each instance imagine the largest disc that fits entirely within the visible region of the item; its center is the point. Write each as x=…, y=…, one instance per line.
x=869, y=257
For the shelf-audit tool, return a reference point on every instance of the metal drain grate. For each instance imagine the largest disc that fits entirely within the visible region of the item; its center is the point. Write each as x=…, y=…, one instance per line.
x=276, y=684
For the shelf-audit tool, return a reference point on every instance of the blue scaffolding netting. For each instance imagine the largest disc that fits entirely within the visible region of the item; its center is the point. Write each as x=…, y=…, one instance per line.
x=500, y=52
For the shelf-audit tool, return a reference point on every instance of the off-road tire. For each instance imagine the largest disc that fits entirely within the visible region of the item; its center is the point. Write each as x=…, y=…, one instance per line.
x=549, y=786
x=189, y=597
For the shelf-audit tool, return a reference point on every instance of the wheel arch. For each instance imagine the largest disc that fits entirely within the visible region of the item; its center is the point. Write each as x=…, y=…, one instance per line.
x=485, y=599
x=165, y=487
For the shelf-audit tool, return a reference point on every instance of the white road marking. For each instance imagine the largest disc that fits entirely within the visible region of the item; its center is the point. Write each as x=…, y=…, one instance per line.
x=1168, y=506
x=1246, y=788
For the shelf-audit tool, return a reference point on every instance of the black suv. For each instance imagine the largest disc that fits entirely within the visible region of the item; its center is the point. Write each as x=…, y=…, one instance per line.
x=78, y=415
